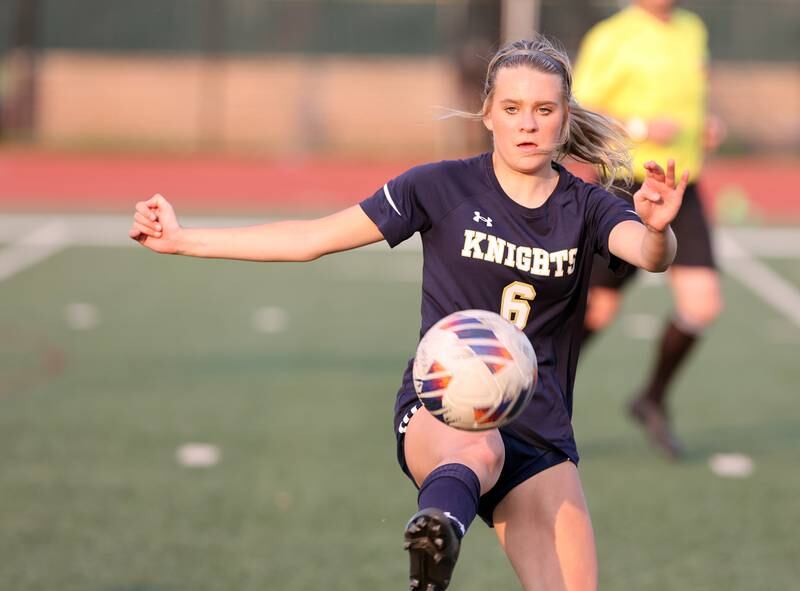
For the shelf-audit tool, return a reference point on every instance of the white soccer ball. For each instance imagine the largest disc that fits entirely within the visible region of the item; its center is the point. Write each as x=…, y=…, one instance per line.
x=474, y=370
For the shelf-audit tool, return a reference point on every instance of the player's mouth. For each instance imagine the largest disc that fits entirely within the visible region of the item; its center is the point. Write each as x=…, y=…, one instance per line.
x=528, y=146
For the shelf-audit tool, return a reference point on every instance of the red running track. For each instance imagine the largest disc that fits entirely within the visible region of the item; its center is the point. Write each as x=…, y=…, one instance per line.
x=33, y=181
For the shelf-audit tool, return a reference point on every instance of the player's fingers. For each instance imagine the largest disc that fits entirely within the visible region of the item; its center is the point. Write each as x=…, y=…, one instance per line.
x=144, y=231
x=142, y=208
x=683, y=182
x=147, y=222
x=671, y=173
x=654, y=171
x=157, y=200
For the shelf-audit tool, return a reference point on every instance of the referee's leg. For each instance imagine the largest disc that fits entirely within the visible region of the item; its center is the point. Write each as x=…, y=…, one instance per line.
x=698, y=301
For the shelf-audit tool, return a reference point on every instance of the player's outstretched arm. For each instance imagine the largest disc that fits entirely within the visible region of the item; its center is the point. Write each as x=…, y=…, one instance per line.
x=651, y=246
x=155, y=226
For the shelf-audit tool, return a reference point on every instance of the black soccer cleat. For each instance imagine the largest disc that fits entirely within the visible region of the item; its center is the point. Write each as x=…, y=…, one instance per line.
x=433, y=546
x=653, y=419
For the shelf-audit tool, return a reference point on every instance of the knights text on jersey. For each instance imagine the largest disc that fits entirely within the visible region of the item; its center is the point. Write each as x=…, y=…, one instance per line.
x=483, y=250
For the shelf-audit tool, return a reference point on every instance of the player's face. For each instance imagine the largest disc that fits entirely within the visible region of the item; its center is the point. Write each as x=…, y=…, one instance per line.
x=526, y=117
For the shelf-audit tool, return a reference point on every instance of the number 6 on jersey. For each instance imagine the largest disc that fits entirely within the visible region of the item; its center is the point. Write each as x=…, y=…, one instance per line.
x=516, y=304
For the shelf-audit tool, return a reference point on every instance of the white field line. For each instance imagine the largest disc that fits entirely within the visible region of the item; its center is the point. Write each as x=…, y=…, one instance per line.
x=774, y=243
x=740, y=263
x=112, y=230
x=35, y=237
x=41, y=242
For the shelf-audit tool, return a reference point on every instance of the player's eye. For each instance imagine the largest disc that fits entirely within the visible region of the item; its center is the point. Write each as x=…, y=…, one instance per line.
x=511, y=110
x=545, y=110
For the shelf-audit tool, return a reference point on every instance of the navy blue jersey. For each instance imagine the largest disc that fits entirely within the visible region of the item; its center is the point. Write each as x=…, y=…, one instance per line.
x=483, y=250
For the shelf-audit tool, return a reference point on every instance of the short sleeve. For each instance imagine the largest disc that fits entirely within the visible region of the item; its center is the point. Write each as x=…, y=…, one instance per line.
x=398, y=208
x=605, y=210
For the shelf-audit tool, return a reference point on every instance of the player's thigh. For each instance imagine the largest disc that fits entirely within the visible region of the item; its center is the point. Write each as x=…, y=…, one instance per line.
x=430, y=443
x=697, y=293
x=545, y=529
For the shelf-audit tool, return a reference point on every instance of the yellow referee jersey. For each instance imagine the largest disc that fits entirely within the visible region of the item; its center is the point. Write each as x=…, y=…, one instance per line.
x=633, y=65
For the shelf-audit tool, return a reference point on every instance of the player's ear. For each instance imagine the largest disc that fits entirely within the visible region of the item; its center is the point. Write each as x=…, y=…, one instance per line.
x=487, y=111
x=565, y=122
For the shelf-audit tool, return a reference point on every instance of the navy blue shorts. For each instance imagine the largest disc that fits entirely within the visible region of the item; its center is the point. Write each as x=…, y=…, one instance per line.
x=522, y=461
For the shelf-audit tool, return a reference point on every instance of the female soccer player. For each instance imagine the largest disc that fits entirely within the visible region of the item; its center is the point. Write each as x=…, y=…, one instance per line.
x=509, y=231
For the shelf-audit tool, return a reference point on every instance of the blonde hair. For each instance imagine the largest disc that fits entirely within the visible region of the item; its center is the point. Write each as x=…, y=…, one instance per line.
x=588, y=136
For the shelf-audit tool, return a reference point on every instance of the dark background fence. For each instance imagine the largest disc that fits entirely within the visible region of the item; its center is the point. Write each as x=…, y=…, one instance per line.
x=766, y=30
x=755, y=50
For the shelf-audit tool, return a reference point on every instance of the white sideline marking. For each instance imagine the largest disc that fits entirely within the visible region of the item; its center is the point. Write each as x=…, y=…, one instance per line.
x=764, y=242
x=112, y=230
x=36, y=237
x=766, y=283
x=43, y=241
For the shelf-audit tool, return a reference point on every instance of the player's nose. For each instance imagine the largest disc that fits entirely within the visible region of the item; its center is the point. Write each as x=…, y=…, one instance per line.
x=528, y=122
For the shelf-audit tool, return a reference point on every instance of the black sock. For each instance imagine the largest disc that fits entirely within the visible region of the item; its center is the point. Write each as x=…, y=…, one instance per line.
x=674, y=346
x=455, y=490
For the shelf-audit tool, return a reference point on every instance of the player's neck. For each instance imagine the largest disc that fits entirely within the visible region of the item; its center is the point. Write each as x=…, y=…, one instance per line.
x=664, y=15
x=529, y=189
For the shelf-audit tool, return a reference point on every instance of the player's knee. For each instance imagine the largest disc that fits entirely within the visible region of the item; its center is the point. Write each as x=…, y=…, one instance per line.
x=702, y=312
x=596, y=321
x=601, y=309
x=486, y=459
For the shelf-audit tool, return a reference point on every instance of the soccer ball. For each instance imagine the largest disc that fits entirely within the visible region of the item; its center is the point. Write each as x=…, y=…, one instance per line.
x=474, y=370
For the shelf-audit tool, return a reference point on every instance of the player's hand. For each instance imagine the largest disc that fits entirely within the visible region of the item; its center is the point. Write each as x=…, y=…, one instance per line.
x=155, y=225
x=662, y=131
x=658, y=201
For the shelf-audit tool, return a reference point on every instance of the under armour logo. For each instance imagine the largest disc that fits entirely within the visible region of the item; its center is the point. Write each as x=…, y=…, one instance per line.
x=479, y=218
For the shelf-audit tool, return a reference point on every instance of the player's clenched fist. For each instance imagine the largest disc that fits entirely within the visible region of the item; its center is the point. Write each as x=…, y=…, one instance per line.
x=155, y=225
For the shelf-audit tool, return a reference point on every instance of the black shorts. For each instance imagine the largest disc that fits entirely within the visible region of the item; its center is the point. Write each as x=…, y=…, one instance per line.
x=694, y=242
x=522, y=461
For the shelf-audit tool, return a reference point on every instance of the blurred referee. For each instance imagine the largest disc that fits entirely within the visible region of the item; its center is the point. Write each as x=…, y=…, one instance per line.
x=646, y=67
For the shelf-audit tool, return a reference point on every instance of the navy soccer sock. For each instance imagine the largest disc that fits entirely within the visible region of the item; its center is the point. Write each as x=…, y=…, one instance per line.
x=455, y=490
x=676, y=343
